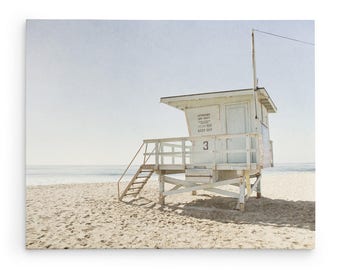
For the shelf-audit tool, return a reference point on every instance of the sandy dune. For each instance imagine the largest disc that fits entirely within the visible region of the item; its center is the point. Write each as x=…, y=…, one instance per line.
x=89, y=216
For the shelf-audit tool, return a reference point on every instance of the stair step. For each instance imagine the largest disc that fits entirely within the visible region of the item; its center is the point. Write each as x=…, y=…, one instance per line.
x=141, y=182
x=128, y=194
x=132, y=188
x=148, y=167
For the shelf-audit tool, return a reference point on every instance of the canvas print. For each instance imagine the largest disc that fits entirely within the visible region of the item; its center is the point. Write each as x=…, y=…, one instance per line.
x=170, y=134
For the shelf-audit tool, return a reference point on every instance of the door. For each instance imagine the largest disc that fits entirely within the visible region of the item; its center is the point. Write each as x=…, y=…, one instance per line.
x=237, y=123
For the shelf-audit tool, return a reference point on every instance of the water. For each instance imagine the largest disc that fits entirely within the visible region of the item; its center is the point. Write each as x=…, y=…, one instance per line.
x=49, y=175
x=290, y=168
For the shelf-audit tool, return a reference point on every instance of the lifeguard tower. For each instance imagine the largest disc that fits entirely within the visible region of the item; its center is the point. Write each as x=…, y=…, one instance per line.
x=228, y=144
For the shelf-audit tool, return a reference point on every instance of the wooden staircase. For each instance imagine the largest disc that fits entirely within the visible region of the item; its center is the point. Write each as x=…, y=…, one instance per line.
x=138, y=181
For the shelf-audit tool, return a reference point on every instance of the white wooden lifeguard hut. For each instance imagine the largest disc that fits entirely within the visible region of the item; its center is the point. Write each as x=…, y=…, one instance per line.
x=228, y=144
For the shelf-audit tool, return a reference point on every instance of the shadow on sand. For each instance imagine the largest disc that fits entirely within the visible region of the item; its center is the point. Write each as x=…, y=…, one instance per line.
x=264, y=211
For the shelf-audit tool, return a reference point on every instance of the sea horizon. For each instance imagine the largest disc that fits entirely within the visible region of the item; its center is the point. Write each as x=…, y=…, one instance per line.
x=70, y=174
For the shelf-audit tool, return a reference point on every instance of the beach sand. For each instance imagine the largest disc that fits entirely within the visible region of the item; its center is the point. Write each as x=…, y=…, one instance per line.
x=89, y=216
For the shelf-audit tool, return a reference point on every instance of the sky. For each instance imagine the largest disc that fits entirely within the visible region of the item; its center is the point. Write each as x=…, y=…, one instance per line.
x=93, y=87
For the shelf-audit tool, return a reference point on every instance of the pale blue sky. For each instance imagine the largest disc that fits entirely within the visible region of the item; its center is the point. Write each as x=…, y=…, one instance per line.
x=93, y=87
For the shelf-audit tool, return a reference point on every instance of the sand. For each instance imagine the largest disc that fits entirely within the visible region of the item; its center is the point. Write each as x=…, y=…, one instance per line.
x=89, y=216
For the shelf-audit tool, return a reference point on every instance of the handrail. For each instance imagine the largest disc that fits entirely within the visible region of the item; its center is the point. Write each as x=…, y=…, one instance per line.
x=118, y=182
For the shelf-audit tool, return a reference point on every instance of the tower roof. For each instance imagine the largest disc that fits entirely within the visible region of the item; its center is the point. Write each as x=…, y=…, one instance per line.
x=180, y=101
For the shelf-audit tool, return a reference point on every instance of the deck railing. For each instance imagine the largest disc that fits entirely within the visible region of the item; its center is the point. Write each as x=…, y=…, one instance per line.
x=212, y=148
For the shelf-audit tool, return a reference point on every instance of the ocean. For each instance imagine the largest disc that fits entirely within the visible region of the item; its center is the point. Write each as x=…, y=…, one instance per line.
x=70, y=174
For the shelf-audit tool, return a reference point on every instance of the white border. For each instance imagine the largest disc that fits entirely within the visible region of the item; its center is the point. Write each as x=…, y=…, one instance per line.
x=13, y=14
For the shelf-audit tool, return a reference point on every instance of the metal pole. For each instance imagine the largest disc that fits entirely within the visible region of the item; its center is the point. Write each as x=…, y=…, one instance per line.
x=254, y=70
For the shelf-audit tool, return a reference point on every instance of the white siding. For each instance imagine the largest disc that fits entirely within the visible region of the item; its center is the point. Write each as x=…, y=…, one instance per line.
x=203, y=121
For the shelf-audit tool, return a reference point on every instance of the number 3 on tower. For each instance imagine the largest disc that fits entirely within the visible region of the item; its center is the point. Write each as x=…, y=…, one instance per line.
x=205, y=145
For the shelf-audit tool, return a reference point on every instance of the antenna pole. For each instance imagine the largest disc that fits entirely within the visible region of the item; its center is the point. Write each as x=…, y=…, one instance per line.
x=254, y=70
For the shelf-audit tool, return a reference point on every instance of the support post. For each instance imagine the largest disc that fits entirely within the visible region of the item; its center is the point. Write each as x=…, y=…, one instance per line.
x=161, y=188
x=242, y=191
x=194, y=192
x=258, y=188
x=247, y=178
